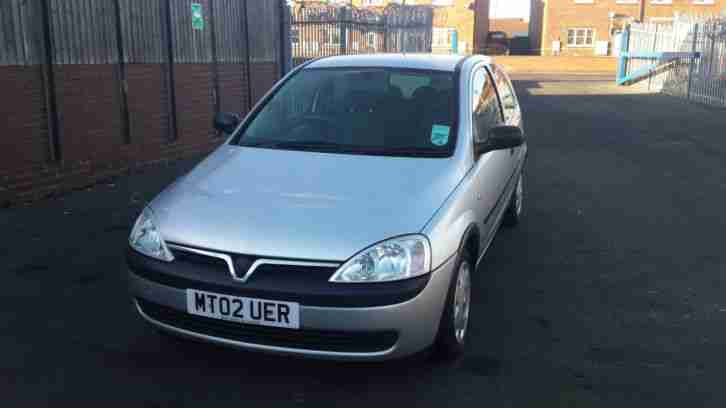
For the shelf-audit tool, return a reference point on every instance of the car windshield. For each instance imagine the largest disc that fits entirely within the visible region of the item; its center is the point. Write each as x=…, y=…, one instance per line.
x=376, y=111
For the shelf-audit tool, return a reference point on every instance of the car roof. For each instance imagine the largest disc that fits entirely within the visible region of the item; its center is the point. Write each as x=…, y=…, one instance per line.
x=404, y=61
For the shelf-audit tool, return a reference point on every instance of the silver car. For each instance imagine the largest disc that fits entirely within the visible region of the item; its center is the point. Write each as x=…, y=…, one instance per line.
x=345, y=217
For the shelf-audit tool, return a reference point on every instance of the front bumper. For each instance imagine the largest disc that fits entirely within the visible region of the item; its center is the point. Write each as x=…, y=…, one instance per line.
x=415, y=322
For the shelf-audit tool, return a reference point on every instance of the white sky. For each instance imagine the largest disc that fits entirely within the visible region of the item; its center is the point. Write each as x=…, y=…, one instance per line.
x=509, y=8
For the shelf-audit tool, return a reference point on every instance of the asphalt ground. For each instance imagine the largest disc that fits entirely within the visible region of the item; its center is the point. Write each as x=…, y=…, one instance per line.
x=609, y=294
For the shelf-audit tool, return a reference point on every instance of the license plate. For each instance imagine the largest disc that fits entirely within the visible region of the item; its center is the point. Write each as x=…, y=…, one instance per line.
x=243, y=310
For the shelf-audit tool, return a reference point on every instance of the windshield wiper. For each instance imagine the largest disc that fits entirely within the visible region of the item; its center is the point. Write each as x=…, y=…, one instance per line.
x=324, y=146
x=301, y=145
x=415, y=152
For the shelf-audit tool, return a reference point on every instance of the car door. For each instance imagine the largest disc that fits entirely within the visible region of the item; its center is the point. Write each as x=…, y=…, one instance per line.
x=491, y=169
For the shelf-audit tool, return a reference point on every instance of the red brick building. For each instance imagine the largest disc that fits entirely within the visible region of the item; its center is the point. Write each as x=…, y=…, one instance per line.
x=590, y=27
x=514, y=27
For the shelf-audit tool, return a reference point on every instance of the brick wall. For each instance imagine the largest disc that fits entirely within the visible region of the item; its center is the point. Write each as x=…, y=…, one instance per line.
x=460, y=17
x=194, y=100
x=90, y=120
x=511, y=26
x=148, y=102
x=89, y=111
x=564, y=14
x=263, y=76
x=24, y=132
x=233, y=94
x=683, y=7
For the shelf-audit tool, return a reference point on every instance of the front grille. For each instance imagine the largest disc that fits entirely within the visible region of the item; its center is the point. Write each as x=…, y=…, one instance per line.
x=201, y=260
x=335, y=341
x=242, y=263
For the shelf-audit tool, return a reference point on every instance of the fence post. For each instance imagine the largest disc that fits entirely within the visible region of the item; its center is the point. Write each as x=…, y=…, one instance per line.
x=166, y=16
x=623, y=59
x=215, y=62
x=343, y=21
x=51, y=101
x=692, y=64
x=123, y=78
x=655, y=48
x=248, y=60
x=285, y=39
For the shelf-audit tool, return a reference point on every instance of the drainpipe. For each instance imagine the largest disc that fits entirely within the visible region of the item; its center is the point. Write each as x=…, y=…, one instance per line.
x=642, y=11
x=545, y=19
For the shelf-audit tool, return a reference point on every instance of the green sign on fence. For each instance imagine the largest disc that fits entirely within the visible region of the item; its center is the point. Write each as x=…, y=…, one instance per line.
x=197, y=16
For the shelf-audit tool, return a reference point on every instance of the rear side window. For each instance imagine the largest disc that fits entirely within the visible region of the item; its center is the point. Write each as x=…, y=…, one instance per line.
x=486, y=113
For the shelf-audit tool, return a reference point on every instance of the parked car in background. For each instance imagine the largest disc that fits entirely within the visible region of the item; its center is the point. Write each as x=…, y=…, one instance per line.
x=497, y=43
x=345, y=217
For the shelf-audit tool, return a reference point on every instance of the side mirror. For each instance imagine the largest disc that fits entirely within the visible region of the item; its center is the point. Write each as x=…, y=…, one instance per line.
x=501, y=138
x=226, y=122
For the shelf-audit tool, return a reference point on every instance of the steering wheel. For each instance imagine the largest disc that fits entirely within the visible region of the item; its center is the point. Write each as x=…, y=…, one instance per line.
x=319, y=122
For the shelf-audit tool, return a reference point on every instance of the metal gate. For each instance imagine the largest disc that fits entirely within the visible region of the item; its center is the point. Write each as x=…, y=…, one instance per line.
x=319, y=31
x=686, y=58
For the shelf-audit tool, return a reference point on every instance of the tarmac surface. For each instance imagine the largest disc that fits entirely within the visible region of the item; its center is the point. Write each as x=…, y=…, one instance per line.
x=609, y=294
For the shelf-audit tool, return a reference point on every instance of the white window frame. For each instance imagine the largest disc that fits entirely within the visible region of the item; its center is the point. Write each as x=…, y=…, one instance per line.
x=367, y=3
x=584, y=1
x=444, y=3
x=627, y=1
x=661, y=2
x=575, y=45
x=704, y=2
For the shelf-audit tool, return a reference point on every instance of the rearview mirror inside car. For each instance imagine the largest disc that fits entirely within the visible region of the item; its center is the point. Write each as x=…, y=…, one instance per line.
x=226, y=122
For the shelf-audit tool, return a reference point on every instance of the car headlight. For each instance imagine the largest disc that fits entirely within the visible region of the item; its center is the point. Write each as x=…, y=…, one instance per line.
x=396, y=259
x=146, y=238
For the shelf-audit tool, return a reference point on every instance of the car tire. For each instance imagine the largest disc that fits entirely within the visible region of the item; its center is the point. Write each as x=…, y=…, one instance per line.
x=454, y=325
x=514, y=212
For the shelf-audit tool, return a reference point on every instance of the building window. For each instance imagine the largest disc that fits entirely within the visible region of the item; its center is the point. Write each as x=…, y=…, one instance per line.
x=627, y=1
x=442, y=2
x=443, y=37
x=584, y=1
x=661, y=1
x=580, y=37
x=704, y=2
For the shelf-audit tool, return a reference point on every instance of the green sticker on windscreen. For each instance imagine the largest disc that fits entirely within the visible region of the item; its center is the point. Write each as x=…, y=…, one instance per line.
x=440, y=135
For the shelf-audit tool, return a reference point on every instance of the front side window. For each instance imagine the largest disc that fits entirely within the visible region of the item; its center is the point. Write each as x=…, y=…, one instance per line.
x=580, y=37
x=377, y=111
x=486, y=113
x=506, y=94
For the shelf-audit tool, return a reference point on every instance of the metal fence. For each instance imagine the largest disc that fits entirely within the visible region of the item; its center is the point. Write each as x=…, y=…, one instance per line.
x=318, y=31
x=77, y=43
x=686, y=58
